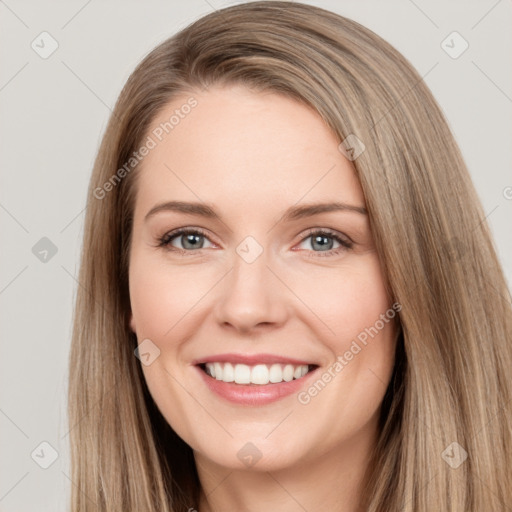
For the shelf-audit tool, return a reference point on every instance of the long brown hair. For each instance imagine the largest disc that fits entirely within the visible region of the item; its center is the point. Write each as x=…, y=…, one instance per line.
x=451, y=380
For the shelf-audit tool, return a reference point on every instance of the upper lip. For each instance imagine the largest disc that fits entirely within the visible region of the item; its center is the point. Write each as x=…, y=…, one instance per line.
x=250, y=359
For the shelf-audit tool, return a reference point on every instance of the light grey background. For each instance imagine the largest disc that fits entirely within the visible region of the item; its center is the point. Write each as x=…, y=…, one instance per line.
x=53, y=114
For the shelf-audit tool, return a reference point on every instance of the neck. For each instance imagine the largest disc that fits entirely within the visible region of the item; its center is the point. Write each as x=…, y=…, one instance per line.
x=330, y=481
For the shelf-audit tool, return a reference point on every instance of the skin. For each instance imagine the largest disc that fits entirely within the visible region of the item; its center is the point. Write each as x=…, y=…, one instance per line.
x=251, y=156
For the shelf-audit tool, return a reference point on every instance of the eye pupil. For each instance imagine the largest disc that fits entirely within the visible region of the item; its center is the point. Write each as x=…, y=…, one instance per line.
x=191, y=239
x=325, y=242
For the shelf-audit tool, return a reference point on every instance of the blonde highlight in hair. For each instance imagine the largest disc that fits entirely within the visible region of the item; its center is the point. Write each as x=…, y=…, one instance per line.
x=451, y=378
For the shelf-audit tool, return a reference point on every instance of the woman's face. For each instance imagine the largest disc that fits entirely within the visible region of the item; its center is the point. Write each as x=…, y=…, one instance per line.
x=261, y=286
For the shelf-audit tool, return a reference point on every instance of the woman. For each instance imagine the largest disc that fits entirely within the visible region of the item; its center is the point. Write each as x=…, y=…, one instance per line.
x=290, y=298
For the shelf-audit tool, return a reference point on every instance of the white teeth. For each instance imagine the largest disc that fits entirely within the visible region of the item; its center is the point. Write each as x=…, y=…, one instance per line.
x=276, y=373
x=218, y=371
x=228, y=373
x=259, y=374
x=288, y=373
x=242, y=374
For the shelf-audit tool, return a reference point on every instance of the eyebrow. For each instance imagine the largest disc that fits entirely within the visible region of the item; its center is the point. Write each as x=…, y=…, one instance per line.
x=292, y=213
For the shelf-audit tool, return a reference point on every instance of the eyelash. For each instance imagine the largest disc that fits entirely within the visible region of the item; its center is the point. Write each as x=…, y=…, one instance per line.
x=164, y=242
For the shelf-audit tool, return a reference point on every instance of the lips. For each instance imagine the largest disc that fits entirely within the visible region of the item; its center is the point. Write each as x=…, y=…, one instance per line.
x=253, y=379
x=252, y=359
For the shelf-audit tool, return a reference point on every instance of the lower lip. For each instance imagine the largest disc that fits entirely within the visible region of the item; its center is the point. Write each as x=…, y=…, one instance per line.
x=253, y=394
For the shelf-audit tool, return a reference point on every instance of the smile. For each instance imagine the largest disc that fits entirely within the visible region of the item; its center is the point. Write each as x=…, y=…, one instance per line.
x=254, y=379
x=259, y=374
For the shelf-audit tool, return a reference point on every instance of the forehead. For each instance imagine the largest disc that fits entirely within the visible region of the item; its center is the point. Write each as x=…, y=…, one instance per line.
x=232, y=146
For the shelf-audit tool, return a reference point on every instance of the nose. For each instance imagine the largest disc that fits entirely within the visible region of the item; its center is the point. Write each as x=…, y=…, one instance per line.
x=252, y=297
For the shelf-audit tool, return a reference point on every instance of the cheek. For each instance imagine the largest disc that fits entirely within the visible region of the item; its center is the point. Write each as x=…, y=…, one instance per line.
x=162, y=300
x=350, y=303
x=346, y=300
x=161, y=294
